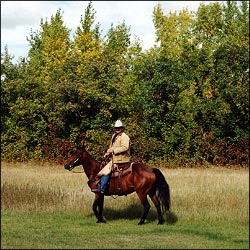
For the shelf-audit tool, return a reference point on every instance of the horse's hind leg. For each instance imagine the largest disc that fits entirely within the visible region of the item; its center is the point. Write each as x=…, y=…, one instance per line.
x=146, y=207
x=157, y=204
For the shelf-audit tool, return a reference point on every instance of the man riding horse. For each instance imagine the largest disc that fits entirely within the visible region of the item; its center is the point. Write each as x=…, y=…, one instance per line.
x=139, y=177
x=119, y=150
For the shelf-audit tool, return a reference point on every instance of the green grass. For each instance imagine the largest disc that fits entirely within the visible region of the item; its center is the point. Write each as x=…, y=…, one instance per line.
x=47, y=207
x=65, y=230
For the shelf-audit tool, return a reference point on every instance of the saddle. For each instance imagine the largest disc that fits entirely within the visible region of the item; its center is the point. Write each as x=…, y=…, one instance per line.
x=122, y=169
x=116, y=175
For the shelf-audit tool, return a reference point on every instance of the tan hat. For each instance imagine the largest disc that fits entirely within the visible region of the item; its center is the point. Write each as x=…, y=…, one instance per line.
x=118, y=124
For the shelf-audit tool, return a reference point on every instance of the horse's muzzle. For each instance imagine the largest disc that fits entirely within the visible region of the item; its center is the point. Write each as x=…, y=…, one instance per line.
x=68, y=166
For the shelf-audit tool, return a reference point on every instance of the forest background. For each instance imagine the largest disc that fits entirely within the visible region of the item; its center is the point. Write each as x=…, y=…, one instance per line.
x=184, y=102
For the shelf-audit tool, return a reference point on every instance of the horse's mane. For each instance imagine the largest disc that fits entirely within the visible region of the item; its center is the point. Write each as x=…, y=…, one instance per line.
x=83, y=149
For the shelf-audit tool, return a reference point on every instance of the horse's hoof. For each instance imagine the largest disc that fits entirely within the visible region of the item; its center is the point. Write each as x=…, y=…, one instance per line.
x=141, y=223
x=160, y=222
x=103, y=220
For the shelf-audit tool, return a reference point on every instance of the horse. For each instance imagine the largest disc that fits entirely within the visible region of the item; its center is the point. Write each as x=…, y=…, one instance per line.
x=130, y=177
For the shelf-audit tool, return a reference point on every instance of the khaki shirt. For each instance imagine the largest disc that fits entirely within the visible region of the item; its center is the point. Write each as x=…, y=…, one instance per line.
x=121, y=148
x=121, y=153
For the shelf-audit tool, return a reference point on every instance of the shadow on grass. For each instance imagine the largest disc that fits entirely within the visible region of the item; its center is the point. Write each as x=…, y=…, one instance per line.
x=134, y=212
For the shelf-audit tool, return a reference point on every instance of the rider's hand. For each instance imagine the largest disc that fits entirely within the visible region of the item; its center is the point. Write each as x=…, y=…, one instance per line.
x=110, y=150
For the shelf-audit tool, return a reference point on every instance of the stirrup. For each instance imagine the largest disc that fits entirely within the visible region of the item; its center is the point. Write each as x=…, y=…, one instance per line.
x=96, y=190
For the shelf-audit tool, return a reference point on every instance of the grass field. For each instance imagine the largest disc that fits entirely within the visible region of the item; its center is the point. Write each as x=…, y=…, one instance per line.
x=47, y=207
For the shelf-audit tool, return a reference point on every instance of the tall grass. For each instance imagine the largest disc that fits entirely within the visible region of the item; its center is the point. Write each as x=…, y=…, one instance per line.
x=211, y=194
x=42, y=188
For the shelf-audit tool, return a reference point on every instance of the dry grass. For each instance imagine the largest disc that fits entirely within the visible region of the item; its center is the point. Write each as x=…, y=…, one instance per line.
x=211, y=194
x=46, y=188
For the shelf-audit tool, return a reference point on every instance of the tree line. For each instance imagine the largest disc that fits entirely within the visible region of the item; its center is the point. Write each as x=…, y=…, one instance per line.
x=183, y=101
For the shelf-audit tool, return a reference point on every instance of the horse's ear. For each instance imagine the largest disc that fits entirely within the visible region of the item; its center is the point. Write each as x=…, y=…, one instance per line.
x=81, y=147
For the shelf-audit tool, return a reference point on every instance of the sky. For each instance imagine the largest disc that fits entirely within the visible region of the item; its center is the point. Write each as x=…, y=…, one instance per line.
x=18, y=18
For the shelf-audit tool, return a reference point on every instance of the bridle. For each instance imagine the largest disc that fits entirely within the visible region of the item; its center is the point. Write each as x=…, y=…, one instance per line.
x=72, y=164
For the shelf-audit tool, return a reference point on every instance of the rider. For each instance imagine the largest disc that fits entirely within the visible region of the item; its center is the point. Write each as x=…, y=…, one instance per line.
x=119, y=148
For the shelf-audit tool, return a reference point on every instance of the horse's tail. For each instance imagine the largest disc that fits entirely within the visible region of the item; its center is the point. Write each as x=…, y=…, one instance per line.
x=163, y=190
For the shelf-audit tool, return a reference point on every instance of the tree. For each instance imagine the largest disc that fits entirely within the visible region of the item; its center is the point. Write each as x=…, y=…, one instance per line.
x=172, y=31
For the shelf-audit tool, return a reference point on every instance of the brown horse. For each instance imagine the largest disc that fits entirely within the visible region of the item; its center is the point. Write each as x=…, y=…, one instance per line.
x=137, y=177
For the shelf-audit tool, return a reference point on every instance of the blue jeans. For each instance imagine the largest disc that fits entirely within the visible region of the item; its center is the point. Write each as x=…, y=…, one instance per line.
x=104, y=182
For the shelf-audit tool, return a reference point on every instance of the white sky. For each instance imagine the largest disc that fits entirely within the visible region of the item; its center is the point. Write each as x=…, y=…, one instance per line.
x=19, y=17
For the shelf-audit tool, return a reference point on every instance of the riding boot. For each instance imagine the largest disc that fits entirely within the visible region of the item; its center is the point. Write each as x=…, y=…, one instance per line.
x=104, y=182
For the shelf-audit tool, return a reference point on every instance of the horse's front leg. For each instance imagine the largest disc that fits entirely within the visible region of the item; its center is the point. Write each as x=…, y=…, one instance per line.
x=98, y=207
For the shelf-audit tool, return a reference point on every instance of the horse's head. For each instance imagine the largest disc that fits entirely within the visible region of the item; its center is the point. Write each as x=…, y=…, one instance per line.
x=75, y=159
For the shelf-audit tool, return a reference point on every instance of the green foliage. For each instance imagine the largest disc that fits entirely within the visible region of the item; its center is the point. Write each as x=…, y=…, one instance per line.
x=185, y=100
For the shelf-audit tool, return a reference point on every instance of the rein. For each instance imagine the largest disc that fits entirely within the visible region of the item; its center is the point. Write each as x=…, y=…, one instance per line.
x=103, y=163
